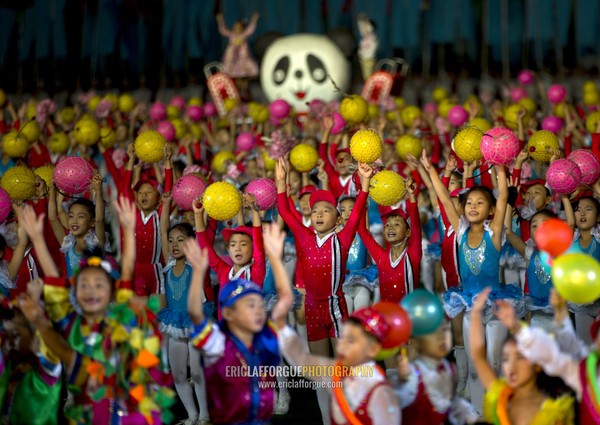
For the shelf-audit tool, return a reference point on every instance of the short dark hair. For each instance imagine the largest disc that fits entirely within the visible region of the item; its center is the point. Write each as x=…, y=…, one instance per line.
x=87, y=204
x=184, y=228
x=486, y=191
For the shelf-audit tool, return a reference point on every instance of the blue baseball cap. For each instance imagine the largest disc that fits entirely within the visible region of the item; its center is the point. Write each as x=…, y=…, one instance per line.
x=236, y=289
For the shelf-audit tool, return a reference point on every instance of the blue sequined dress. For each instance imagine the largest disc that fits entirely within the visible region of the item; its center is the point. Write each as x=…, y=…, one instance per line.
x=539, y=282
x=357, y=272
x=174, y=319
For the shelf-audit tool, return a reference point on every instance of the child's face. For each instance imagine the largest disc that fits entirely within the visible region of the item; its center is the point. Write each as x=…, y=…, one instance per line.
x=93, y=291
x=247, y=313
x=454, y=184
x=251, y=169
x=146, y=198
x=323, y=217
x=188, y=217
x=535, y=223
x=295, y=181
x=395, y=230
x=477, y=207
x=176, y=240
x=586, y=215
x=343, y=161
x=517, y=369
x=80, y=220
x=305, y=205
x=240, y=249
x=436, y=345
x=346, y=207
x=121, y=133
x=355, y=347
x=538, y=194
x=388, y=152
x=18, y=337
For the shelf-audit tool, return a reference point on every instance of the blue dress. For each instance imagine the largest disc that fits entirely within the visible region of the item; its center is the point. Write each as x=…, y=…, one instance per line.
x=539, y=282
x=174, y=319
x=593, y=250
x=357, y=272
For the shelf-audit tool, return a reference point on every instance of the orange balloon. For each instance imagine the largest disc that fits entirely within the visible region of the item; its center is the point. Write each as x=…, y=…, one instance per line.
x=554, y=236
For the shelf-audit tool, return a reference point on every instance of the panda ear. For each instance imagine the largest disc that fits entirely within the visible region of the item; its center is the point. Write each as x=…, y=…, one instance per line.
x=263, y=42
x=344, y=39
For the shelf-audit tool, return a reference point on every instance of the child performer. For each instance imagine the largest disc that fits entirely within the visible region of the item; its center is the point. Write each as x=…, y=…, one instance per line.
x=242, y=340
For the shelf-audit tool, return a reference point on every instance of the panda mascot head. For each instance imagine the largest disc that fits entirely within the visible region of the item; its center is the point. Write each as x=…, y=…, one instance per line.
x=297, y=68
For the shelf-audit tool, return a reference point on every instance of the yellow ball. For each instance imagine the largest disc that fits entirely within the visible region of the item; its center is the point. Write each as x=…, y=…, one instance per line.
x=172, y=112
x=19, y=183
x=391, y=115
x=511, y=116
x=387, y=188
x=230, y=104
x=31, y=130
x=528, y=104
x=560, y=110
x=261, y=115
x=591, y=121
x=86, y=132
x=481, y=123
x=2, y=98
x=409, y=144
x=409, y=114
x=269, y=162
x=354, y=109
x=67, y=115
x=15, y=145
x=45, y=172
x=541, y=145
x=221, y=201
x=108, y=137
x=59, y=143
x=439, y=94
x=92, y=103
x=126, y=103
x=467, y=144
x=219, y=162
x=180, y=128
x=195, y=101
x=114, y=101
x=31, y=109
x=400, y=102
x=591, y=97
x=444, y=107
x=196, y=130
x=304, y=157
x=589, y=86
x=366, y=146
x=373, y=111
x=150, y=146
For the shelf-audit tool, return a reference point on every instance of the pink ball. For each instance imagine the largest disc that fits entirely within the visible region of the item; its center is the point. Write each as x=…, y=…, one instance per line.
x=210, y=110
x=279, y=108
x=157, y=111
x=500, y=146
x=457, y=116
x=526, y=77
x=517, y=93
x=167, y=130
x=588, y=165
x=5, y=205
x=178, y=102
x=188, y=188
x=338, y=123
x=556, y=93
x=563, y=176
x=552, y=123
x=73, y=175
x=194, y=113
x=430, y=108
x=265, y=192
x=245, y=141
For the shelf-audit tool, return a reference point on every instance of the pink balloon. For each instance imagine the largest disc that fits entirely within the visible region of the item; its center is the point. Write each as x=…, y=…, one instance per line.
x=338, y=123
x=157, y=111
x=430, y=108
x=279, y=109
x=245, y=141
x=188, y=188
x=5, y=205
x=563, y=176
x=194, y=113
x=552, y=123
x=167, y=130
x=517, y=93
x=526, y=77
x=178, y=102
x=500, y=146
x=556, y=93
x=588, y=165
x=265, y=192
x=73, y=175
x=210, y=110
x=457, y=116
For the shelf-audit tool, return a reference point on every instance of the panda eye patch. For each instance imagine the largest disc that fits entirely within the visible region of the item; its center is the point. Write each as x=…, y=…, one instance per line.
x=281, y=70
x=317, y=68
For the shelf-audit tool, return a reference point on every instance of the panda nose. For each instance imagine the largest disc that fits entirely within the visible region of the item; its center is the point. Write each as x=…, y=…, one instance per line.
x=298, y=74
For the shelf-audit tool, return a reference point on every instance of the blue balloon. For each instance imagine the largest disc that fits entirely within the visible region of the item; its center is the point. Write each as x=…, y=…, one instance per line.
x=425, y=310
x=546, y=261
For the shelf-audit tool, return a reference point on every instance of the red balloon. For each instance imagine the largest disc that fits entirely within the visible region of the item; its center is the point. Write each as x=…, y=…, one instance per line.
x=398, y=321
x=554, y=236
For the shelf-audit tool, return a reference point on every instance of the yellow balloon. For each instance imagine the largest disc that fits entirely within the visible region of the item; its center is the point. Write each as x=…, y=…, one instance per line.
x=15, y=145
x=108, y=137
x=511, y=116
x=410, y=114
x=528, y=104
x=439, y=94
x=150, y=146
x=467, y=144
x=45, y=172
x=591, y=97
x=220, y=160
x=444, y=107
x=373, y=111
x=560, y=110
x=87, y=132
x=59, y=143
x=576, y=277
x=387, y=353
x=269, y=162
x=31, y=130
x=19, y=183
x=541, y=145
x=172, y=112
x=481, y=123
x=126, y=103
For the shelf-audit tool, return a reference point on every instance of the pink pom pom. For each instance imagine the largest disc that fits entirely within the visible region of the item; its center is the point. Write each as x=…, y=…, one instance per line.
x=500, y=146
x=73, y=175
x=178, y=102
x=167, y=130
x=338, y=123
x=552, y=123
x=563, y=176
x=194, y=113
x=457, y=116
x=5, y=205
x=526, y=77
x=157, y=111
x=431, y=108
x=209, y=109
x=280, y=145
x=245, y=141
x=103, y=108
x=279, y=109
x=588, y=165
x=186, y=190
x=517, y=93
x=265, y=192
x=556, y=93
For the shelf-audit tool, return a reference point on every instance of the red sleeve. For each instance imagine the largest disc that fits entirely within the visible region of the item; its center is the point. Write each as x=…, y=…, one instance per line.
x=444, y=217
x=596, y=144
x=126, y=185
x=334, y=178
x=332, y=154
x=418, y=181
x=211, y=230
x=446, y=181
x=259, y=268
x=294, y=223
x=197, y=151
x=470, y=182
x=117, y=176
x=348, y=233
x=215, y=262
x=436, y=152
x=168, y=180
x=486, y=177
x=568, y=144
x=60, y=282
x=516, y=175
x=415, y=251
x=293, y=209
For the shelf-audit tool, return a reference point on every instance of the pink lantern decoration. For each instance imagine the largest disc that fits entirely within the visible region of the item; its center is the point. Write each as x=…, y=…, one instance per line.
x=157, y=111
x=279, y=109
x=338, y=123
x=430, y=108
x=194, y=113
x=167, y=130
x=517, y=93
x=186, y=190
x=73, y=175
x=552, y=123
x=556, y=93
x=588, y=165
x=209, y=109
x=265, y=192
x=500, y=146
x=5, y=205
x=563, y=176
x=178, y=102
x=526, y=77
x=457, y=116
x=245, y=141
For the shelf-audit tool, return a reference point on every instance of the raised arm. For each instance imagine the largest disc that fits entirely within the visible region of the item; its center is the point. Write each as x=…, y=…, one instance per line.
x=165, y=217
x=127, y=216
x=53, y=205
x=497, y=223
x=568, y=207
x=441, y=191
x=274, y=240
x=199, y=260
x=99, y=199
x=486, y=374
x=512, y=238
x=34, y=226
x=293, y=222
x=18, y=254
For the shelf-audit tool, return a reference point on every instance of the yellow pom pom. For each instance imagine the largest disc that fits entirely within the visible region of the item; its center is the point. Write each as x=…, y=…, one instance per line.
x=45, y=172
x=269, y=162
x=152, y=344
x=467, y=144
x=304, y=157
x=591, y=98
x=19, y=183
x=354, y=109
x=2, y=98
x=410, y=114
x=444, y=107
x=408, y=144
x=373, y=111
x=511, y=116
x=221, y=201
x=59, y=143
x=481, y=123
x=366, y=146
x=136, y=338
x=92, y=103
x=67, y=115
x=387, y=188
x=439, y=94
x=591, y=121
x=180, y=128
x=15, y=145
x=195, y=130
x=541, y=145
x=400, y=102
x=86, y=132
x=221, y=160
x=108, y=137
x=150, y=146
x=126, y=103
x=528, y=104
x=259, y=113
x=172, y=112
x=31, y=130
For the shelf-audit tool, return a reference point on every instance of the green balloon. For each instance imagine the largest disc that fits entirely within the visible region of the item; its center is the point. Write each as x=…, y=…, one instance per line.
x=425, y=310
x=576, y=277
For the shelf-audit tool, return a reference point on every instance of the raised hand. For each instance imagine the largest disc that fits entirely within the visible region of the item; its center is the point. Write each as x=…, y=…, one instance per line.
x=31, y=308
x=274, y=240
x=365, y=171
x=97, y=183
x=480, y=300
x=505, y=312
x=197, y=257
x=126, y=212
x=426, y=162
x=35, y=289
x=197, y=206
x=280, y=170
x=32, y=223
x=328, y=122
